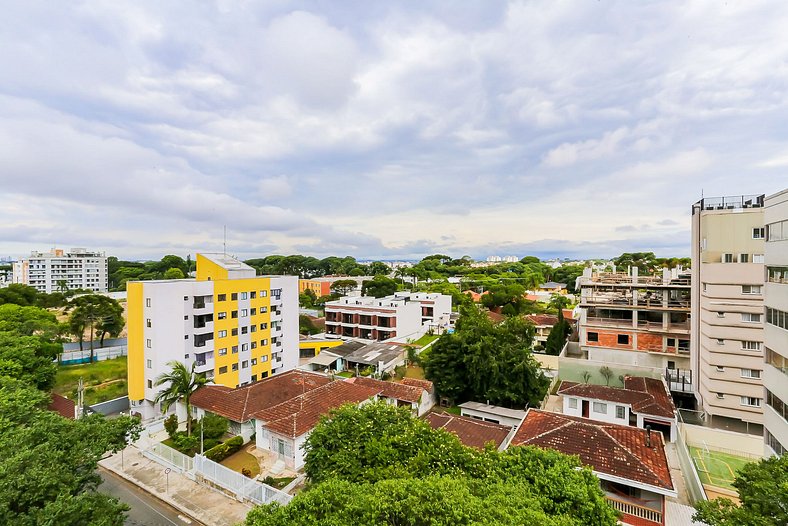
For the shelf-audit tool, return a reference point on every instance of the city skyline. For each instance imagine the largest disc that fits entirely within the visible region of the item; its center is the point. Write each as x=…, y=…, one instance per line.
x=384, y=131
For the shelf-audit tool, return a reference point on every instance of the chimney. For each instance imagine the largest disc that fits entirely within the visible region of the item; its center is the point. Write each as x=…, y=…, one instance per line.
x=648, y=436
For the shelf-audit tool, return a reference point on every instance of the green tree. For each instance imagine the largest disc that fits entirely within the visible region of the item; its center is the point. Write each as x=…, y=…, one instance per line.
x=173, y=273
x=18, y=294
x=646, y=262
x=306, y=326
x=483, y=361
x=378, y=267
x=305, y=300
x=378, y=287
x=181, y=383
x=343, y=287
x=558, y=335
x=97, y=313
x=763, y=491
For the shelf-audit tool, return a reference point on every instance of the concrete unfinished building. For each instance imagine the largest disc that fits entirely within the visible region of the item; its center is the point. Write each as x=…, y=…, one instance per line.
x=643, y=322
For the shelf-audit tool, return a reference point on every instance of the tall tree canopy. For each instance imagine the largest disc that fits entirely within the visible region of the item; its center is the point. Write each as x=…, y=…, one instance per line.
x=379, y=286
x=481, y=361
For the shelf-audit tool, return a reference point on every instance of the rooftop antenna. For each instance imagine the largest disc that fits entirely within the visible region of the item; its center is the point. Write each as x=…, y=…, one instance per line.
x=225, y=240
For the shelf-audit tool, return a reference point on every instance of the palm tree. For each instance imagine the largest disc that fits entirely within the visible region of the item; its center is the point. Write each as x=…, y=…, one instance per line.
x=183, y=382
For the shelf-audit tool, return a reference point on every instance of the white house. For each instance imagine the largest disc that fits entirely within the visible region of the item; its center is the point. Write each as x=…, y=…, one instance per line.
x=641, y=402
x=419, y=397
x=492, y=413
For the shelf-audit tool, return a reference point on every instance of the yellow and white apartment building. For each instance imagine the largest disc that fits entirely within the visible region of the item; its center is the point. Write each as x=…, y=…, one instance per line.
x=237, y=327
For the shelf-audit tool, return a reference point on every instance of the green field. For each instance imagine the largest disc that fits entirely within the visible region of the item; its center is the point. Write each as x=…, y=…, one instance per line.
x=103, y=380
x=427, y=338
x=716, y=469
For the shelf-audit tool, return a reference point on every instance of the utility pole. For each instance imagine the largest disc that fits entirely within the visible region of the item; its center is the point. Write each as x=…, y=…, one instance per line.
x=80, y=398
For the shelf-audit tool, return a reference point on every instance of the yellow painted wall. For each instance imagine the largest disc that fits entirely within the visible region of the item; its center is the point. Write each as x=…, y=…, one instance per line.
x=319, y=345
x=136, y=347
x=207, y=269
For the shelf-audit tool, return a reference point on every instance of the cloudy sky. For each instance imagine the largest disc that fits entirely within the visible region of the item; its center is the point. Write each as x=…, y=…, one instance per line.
x=384, y=129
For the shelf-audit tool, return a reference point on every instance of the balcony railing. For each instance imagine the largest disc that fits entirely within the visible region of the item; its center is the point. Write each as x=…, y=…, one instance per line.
x=635, y=510
x=641, y=324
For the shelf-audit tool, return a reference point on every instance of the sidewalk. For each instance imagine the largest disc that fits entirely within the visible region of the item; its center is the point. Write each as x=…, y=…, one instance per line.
x=208, y=506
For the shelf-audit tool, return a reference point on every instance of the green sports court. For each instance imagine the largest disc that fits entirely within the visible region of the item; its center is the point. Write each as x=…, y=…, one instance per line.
x=715, y=468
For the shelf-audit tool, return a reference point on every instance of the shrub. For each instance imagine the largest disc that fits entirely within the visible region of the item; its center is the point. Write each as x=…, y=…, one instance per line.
x=215, y=426
x=246, y=472
x=185, y=444
x=222, y=451
x=209, y=443
x=171, y=425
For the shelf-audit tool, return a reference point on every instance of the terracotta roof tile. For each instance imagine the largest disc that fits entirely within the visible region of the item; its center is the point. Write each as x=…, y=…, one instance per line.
x=418, y=382
x=393, y=390
x=543, y=319
x=647, y=396
x=299, y=415
x=610, y=449
x=471, y=432
x=62, y=405
x=240, y=403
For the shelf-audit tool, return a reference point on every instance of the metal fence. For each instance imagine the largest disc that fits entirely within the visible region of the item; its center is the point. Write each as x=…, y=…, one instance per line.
x=688, y=469
x=243, y=487
x=169, y=457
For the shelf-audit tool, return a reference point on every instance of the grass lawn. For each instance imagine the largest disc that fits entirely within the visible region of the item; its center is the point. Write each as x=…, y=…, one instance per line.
x=346, y=374
x=103, y=380
x=454, y=410
x=427, y=338
x=414, y=371
x=240, y=460
x=278, y=483
x=716, y=469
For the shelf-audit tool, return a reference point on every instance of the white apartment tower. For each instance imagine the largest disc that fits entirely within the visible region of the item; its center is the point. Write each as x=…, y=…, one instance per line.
x=775, y=374
x=59, y=270
x=727, y=307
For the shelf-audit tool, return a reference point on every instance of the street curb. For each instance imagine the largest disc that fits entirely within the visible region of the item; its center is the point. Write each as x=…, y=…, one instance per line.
x=152, y=492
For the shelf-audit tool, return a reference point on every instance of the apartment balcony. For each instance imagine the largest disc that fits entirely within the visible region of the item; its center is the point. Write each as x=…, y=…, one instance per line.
x=679, y=380
x=619, y=279
x=203, y=366
x=620, y=301
x=635, y=514
x=642, y=325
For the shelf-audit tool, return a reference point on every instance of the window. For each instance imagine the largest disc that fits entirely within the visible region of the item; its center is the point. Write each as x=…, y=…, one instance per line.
x=221, y=297
x=777, y=318
x=244, y=296
x=185, y=336
x=252, y=295
x=623, y=339
x=244, y=346
x=223, y=351
x=222, y=369
x=235, y=349
x=186, y=298
x=751, y=289
x=235, y=367
x=234, y=296
x=263, y=293
x=244, y=330
x=599, y=407
x=186, y=317
x=264, y=358
x=150, y=384
x=750, y=373
x=254, y=361
x=720, y=396
x=253, y=328
x=252, y=311
x=244, y=313
x=147, y=302
x=759, y=233
x=222, y=334
x=572, y=403
x=264, y=342
x=234, y=331
x=720, y=341
x=749, y=317
x=621, y=412
x=147, y=322
x=263, y=326
x=593, y=336
x=254, y=345
x=750, y=401
x=150, y=364
x=727, y=258
x=671, y=364
x=671, y=342
x=744, y=258
x=704, y=287
x=263, y=309
x=148, y=343
x=185, y=356
x=720, y=314
x=254, y=377
x=720, y=369
x=773, y=443
x=750, y=346
x=234, y=314
x=777, y=361
x=777, y=274
x=245, y=364
x=758, y=258
x=221, y=316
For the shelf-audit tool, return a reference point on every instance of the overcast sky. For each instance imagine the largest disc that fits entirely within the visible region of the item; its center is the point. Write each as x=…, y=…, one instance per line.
x=384, y=129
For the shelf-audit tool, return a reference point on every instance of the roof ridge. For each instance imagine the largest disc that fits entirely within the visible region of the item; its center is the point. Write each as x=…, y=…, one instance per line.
x=640, y=461
x=567, y=423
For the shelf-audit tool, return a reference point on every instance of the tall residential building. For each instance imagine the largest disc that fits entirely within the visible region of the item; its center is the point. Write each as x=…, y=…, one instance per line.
x=59, y=270
x=775, y=374
x=237, y=327
x=628, y=320
x=727, y=306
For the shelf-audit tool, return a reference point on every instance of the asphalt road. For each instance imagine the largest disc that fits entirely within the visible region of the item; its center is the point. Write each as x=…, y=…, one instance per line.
x=146, y=510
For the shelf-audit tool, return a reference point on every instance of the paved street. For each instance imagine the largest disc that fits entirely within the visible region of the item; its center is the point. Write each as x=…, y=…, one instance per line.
x=146, y=510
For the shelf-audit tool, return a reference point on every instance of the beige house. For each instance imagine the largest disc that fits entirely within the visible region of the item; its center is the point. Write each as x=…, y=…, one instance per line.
x=727, y=307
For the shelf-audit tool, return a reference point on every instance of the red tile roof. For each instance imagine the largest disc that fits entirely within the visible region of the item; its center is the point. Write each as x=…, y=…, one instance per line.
x=418, y=382
x=239, y=404
x=470, y=431
x=495, y=317
x=609, y=449
x=647, y=396
x=402, y=392
x=299, y=415
x=543, y=319
x=62, y=405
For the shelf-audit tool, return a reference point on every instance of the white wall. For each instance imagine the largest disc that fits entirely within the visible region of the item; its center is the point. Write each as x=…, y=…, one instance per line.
x=484, y=415
x=608, y=416
x=289, y=286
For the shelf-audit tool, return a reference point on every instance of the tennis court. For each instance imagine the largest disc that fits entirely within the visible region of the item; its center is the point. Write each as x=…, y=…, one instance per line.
x=715, y=468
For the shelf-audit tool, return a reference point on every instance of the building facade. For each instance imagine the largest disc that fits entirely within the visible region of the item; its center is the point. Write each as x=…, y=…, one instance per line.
x=322, y=286
x=775, y=377
x=727, y=306
x=59, y=270
x=632, y=320
x=237, y=328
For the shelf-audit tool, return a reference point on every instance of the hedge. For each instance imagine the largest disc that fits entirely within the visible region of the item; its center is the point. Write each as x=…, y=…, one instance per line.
x=222, y=451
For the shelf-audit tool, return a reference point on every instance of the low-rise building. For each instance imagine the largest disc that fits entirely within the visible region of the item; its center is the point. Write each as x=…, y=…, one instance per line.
x=641, y=402
x=630, y=462
x=418, y=398
x=492, y=413
x=381, y=357
x=322, y=286
x=471, y=432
